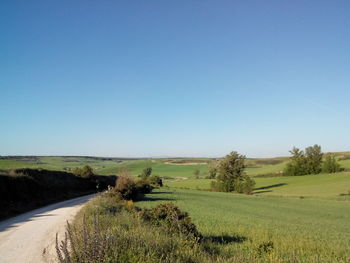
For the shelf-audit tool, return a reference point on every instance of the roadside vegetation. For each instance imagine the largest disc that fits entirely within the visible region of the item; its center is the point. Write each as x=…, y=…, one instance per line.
x=138, y=222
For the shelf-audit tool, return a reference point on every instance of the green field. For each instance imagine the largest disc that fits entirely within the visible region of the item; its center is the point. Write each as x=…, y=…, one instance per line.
x=322, y=185
x=162, y=167
x=309, y=229
x=166, y=168
x=305, y=217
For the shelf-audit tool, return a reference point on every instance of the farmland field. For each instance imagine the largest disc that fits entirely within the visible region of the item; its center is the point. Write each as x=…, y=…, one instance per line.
x=302, y=218
x=309, y=229
x=308, y=185
x=167, y=168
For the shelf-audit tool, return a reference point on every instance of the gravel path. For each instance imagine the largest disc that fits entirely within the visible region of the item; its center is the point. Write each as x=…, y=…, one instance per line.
x=30, y=237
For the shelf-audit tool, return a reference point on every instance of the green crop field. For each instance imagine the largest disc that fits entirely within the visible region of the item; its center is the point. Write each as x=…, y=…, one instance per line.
x=309, y=229
x=308, y=185
x=166, y=168
x=303, y=217
x=169, y=168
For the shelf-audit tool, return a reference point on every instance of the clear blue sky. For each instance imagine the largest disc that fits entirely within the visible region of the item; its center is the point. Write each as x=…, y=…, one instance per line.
x=173, y=78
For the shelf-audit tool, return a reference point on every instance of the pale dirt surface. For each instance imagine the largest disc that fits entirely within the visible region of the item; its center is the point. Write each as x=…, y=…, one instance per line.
x=30, y=237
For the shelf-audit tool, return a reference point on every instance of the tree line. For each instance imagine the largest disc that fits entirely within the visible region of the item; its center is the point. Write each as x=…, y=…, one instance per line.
x=311, y=161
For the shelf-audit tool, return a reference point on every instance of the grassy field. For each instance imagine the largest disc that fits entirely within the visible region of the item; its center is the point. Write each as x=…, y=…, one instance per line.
x=305, y=217
x=309, y=229
x=172, y=168
x=322, y=185
x=167, y=168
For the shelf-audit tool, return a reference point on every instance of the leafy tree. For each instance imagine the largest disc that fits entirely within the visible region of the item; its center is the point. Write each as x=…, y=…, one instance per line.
x=330, y=164
x=231, y=177
x=146, y=172
x=196, y=173
x=297, y=166
x=313, y=155
x=85, y=172
x=212, y=171
x=155, y=180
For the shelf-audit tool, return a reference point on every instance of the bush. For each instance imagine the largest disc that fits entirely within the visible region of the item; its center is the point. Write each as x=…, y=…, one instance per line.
x=129, y=189
x=170, y=218
x=146, y=172
x=125, y=187
x=231, y=176
x=155, y=180
x=242, y=186
x=303, y=163
x=99, y=236
x=143, y=186
x=85, y=172
x=330, y=165
x=245, y=186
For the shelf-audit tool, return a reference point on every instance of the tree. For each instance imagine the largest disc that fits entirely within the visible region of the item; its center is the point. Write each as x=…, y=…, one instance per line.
x=196, y=173
x=212, y=171
x=231, y=177
x=330, y=164
x=302, y=163
x=313, y=155
x=297, y=166
x=146, y=172
x=85, y=172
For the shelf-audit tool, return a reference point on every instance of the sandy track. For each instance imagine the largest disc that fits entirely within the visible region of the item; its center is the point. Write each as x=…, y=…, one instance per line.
x=30, y=237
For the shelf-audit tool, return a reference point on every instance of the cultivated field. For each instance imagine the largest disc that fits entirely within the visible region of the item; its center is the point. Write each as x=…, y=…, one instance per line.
x=322, y=185
x=178, y=168
x=307, y=229
x=287, y=219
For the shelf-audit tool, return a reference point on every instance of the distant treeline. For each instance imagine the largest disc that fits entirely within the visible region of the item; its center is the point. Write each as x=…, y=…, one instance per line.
x=24, y=189
x=36, y=158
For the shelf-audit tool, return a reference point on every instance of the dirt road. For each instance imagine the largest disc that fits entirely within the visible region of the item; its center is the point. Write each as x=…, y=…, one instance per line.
x=30, y=237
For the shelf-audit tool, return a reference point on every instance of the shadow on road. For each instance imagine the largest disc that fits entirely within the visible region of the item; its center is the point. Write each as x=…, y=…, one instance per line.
x=41, y=212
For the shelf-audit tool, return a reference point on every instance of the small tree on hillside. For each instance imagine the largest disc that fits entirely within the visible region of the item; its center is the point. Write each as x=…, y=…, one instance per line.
x=231, y=177
x=330, y=164
x=85, y=172
x=297, y=165
x=196, y=173
x=313, y=155
x=213, y=168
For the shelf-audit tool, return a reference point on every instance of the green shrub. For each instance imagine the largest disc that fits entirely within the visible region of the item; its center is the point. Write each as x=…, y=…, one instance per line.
x=231, y=177
x=100, y=235
x=155, y=180
x=129, y=189
x=305, y=162
x=146, y=172
x=170, y=218
x=143, y=186
x=85, y=172
x=125, y=187
x=265, y=248
x=331, y=165
x=245, y=186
